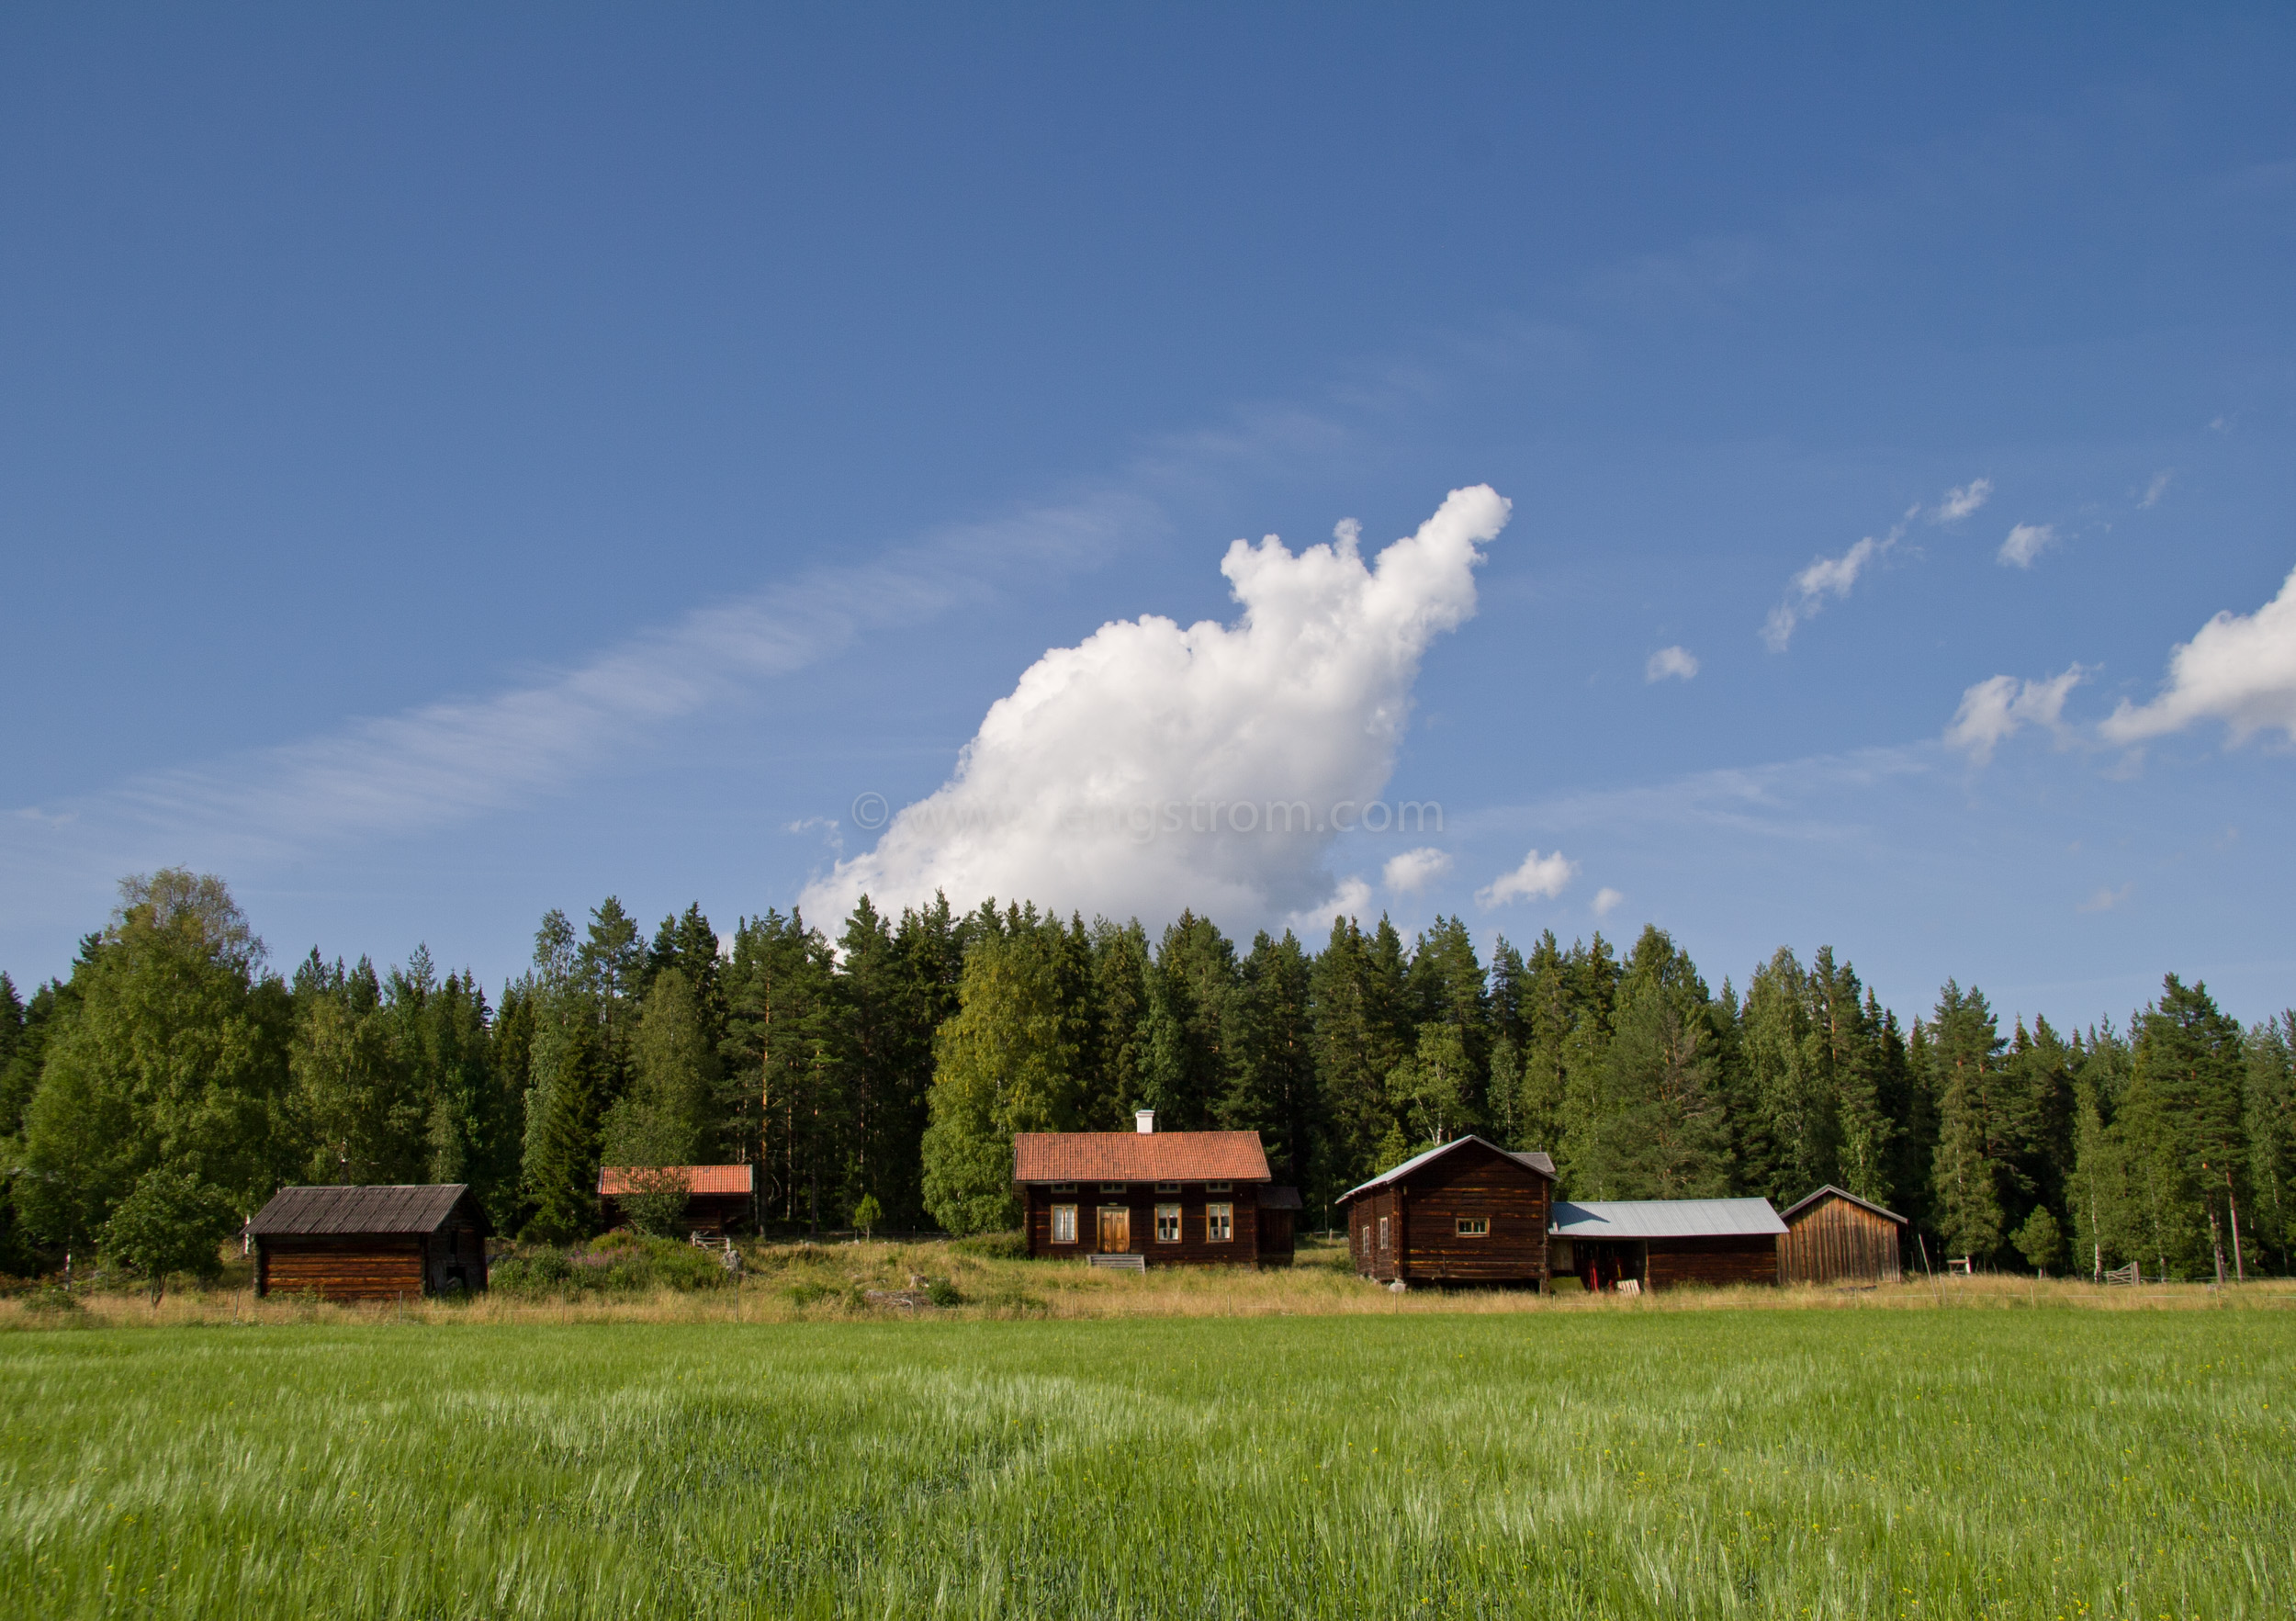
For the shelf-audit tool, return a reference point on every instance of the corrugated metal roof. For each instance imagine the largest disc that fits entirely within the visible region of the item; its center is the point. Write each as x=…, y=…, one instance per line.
x=1279, y=1198
x=1799, y=1205
x=616, y=1179
x=1138, y=1156
x=358, y=1211
x=1536, y=1162
x=1665, y=1217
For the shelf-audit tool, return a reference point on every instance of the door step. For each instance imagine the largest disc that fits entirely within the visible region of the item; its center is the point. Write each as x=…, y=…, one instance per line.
x=1120, y=1263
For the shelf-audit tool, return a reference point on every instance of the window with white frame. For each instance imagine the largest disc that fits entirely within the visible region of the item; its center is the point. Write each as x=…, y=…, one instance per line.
x=1215, y=1188
x=1064, y=1188
x=1167, y=1187
x=1168, y=1224
x=1063, y=1224
x=1383, y=1232
x=1473, y=1227
x=1219, y=1224
x=1113, y=1187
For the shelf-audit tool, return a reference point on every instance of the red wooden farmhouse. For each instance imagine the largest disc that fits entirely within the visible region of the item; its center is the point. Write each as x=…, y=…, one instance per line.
x=1148, y=1197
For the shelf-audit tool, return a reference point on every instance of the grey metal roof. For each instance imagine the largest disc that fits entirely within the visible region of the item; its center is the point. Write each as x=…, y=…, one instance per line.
x=1665, y=1217
x=1799, y=1205
x=1279, y=1198
x=347, y=1212
x=1536, y=1162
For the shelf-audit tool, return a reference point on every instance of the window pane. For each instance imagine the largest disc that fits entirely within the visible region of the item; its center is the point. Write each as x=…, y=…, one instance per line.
x=1168, y=1224
x=1219, y=1223
x=1474, y=1226
x=1063, y=1224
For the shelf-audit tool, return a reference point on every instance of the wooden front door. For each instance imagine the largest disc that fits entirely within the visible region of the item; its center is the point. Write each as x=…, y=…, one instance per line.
x=1116, y=1230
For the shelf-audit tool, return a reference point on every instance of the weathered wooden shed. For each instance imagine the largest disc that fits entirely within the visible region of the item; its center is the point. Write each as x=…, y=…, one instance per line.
x=1147, y=1198
x=1665, y=1243
x=1833, y=1236
x=371, y=1244
x=718, y=1198
x=1465, y=1211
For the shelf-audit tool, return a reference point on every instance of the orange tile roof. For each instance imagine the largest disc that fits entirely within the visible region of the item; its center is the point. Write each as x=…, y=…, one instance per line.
x=616, y=1179
x=1138, y=1156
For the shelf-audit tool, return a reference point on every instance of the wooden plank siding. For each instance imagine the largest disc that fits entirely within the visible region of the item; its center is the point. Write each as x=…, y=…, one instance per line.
x=1140, y=1200
x=1669, y=1263
x=379, y=1269
x=1835, y=1241
x=1423, y=1211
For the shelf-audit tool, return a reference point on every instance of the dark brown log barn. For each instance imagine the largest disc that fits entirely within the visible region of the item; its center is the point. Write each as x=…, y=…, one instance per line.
x=1465, y=1213
x=1146, y=1197
x=717, y=1197
x=1833, y=1236
x=1665, y=1243
x=371, y=1244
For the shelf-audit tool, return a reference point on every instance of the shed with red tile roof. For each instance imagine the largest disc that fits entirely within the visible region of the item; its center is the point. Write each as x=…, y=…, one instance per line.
x=717, y=1197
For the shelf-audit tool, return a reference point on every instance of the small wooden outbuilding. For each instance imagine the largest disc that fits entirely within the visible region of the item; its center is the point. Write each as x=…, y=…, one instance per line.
x=1465, y=1211
x=1146, y=1197
x=1664, y=1242
x=1833, y=1236
x=371, y=1244
x=718, y=1198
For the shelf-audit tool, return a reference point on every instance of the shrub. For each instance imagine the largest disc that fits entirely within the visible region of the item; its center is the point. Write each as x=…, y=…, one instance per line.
x=621, y=1263
x=170, y=1223
x=941, y=1292
x=994, y=1246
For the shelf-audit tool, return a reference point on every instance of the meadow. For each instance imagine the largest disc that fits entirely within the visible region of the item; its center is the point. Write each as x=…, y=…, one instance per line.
x=1597, y=1458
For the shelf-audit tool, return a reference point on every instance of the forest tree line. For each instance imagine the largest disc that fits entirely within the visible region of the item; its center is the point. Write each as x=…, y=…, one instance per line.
x=175, y=1070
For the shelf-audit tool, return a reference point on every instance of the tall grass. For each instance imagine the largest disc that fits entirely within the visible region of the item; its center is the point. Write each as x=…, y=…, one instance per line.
x=1555, y=1463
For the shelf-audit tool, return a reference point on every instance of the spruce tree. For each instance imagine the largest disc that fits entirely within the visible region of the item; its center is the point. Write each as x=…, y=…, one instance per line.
x=2181, y=1126
x=2270, y=1125
x=1659, y=1131
x=1972, y=1169
x=1271, y=1085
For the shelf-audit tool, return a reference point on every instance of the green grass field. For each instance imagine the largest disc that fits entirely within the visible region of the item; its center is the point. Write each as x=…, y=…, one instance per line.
x=1791, y=1463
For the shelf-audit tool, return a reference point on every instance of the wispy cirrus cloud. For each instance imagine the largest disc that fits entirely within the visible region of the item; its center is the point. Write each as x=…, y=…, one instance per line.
x=2025, y=542
x=445, y=762
x=1825, y=578
x=1997, y=709
x=1960, y=502
x=1679, y=663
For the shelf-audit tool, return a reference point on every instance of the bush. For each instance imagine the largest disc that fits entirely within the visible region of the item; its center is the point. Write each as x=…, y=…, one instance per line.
x=994, y=1246
x=941, y=1292
x=621, y=1263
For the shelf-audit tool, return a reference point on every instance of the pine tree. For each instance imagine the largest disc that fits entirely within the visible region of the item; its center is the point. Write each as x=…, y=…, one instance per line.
x=1119, y=1065
x=1658, y=1130
x=1190, y=987
x=1352, y=1004
x=786, y=1038
x=2181, y=1128
x=1271, y=1085
x=1786, y=1110
x=2270, y=1125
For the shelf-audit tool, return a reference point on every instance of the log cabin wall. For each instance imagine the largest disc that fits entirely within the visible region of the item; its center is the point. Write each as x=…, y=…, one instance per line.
x=1372, y=1259
x=1139, y=1200
x=1669, y=1263
x=380, y=1268
x=1474, y=1184
x=1835, y=1241
x=1275, y=1237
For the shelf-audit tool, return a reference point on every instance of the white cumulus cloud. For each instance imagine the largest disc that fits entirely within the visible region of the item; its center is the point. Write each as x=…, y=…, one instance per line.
x=1157, y=765
x=1539, y=878
x=1959, y=504
x=1414, y=870
x=2025, y=542
x=1606, y=901
x=1679, y=662
x=1826, y=577
x=2240, y=670
x=1994, y=711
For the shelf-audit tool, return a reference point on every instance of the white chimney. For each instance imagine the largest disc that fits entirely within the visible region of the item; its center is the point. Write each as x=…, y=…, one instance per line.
x=1145, y=1121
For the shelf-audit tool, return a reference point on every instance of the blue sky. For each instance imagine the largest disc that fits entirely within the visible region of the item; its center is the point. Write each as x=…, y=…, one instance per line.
x=456, y=463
